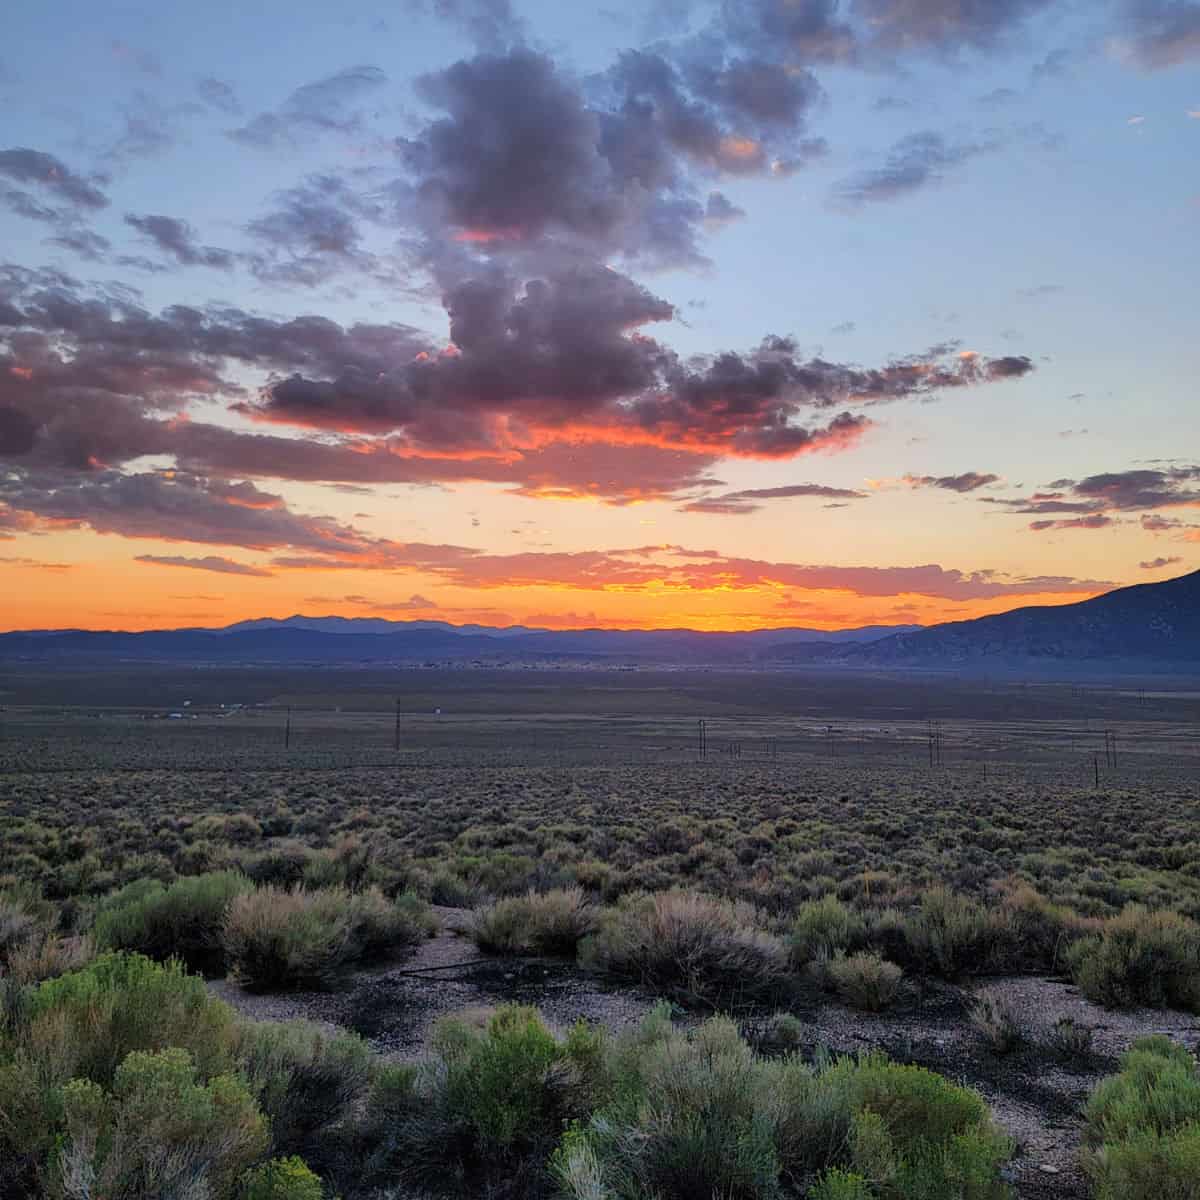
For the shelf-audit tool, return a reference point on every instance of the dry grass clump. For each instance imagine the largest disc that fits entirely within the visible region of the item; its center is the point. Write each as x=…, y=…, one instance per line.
x=553, y=922
x=997, y=1017
x=689, y=945
x=274, y=938
x=865, y=981
x=1140, y=957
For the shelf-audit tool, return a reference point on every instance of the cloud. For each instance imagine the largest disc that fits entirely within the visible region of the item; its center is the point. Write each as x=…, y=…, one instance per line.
x=872, y=33
x=310, y=235
x=969, y=481
x=524, y=156
x=1157, y=34
x=211, y=562
x=85, y=243
x=676, y=567
x=177, y=239
x=326, y=106
x=1093, y=521
x=1157, y=564
x=916, y=161
x=52, y=175
x=173, y=507
x=149, y=128
x=747, y=501
x=945, y=26
x=218, y=94
x=552, y=386
x=415, y=603
x=491, y=24
x=1040, y=290
x=1142, y=489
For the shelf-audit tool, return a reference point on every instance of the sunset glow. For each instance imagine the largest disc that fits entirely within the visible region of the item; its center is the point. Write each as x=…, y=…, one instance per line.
x=754, y=317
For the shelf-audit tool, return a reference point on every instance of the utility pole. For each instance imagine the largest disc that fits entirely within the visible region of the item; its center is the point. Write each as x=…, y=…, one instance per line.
x=703, y=738
x=287, y=729
x=396, y=736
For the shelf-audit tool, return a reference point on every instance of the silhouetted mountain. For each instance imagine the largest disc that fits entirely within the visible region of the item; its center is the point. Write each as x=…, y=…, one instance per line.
x=370, y=640
x=1155, y=626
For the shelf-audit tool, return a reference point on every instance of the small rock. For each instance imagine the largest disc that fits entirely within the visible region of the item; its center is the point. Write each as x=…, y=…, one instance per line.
x=1050, y=1169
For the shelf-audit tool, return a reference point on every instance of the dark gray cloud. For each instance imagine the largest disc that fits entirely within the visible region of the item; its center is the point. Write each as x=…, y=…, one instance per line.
x=523, y=157
x=551, y=386
x=1161, y=33
x=176, y=508
x=1092, y=521
x=311, y=234
x=85, y=243
x=52, y=175
x=329, y=105
x=1157, y=564
x=750, y=500
x=210, y=562
x=177, y=239
x=968, y=481
x=1143, y=489
x=808, y=31
x=916, y=161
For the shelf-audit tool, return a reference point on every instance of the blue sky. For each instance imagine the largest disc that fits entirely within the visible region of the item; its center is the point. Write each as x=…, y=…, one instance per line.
x=1016, y=181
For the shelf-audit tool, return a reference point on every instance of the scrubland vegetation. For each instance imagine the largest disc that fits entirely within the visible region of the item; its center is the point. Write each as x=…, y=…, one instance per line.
x=737, y=894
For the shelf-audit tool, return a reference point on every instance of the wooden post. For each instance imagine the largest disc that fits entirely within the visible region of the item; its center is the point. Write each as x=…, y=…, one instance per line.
x=1096, y=767
x=287, y=729
x=396, y=735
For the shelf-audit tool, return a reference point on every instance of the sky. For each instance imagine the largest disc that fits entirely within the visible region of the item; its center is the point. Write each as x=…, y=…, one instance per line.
x=727, y=315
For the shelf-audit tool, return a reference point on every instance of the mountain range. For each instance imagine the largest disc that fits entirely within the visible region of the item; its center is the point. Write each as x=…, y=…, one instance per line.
x=1152, y=628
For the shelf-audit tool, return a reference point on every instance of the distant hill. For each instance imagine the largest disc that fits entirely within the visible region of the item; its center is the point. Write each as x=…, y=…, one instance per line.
x=1151, y=626
x=366, y=640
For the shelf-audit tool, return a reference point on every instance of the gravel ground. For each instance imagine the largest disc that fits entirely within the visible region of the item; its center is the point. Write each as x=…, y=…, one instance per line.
x=1034, y=1095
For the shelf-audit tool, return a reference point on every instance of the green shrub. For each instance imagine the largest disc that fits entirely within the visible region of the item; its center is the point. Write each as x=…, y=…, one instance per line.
x=1142, y=1126
x=83, y=1026
x=949, y=934
x=281, y=1179
x=183, y=920
x=837, y=1184
x=688, y=945
x=305, y=1080
x=865, y=981
x=691, y=1119
x=700, y=1115
x=822, y=929
x=1157, y=1089
x=85, y=1023
x=159, y=1132
x=784, y=1031
x=1140, y=958
x=551, y=922
x=489, y=1105
x=1029, y=933
x=281, y=939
